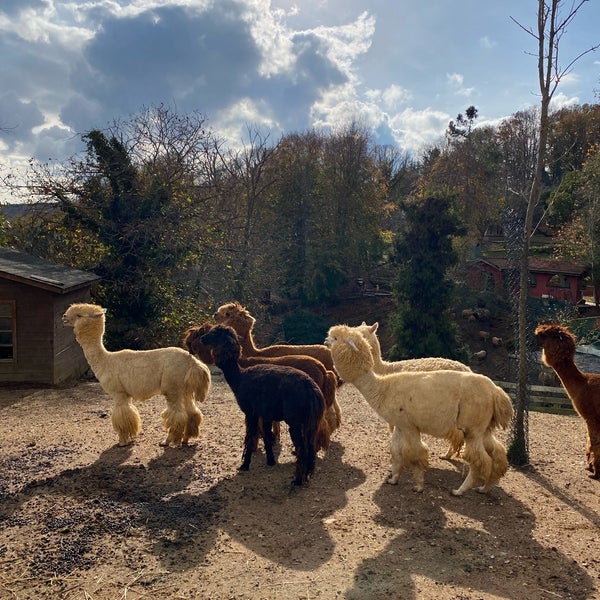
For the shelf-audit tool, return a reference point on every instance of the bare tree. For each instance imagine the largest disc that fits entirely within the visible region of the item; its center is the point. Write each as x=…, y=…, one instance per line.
x=553, y=20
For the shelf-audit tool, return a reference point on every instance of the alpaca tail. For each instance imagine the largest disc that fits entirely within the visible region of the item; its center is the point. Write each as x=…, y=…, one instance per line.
x=332, y=408
x=197, y=381
x=503, y=409
x=314, y=415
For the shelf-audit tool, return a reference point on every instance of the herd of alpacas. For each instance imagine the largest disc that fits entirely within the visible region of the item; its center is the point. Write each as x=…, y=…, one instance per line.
x=297, y=384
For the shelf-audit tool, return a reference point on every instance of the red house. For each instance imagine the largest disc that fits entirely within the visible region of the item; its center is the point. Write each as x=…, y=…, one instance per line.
x=548, y=278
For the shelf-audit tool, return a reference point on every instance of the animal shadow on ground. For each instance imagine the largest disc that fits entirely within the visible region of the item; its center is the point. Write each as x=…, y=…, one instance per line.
x=177, y=508
x=77, y=508
x=478, y=541
x=258, y=499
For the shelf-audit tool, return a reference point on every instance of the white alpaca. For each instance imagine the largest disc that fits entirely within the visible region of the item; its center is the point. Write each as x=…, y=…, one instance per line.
x=129, y=375
x=382, y=367
x=435, y=403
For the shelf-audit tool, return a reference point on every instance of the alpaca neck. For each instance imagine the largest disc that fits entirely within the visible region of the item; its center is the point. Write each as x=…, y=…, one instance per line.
x=567, y=372
x=231, y=371
x=247, y=343
x=93, y=348
x=367, y=385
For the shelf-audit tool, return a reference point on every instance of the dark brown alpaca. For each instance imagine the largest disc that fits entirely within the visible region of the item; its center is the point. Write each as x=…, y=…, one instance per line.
x=558, y=349
x=326, y=380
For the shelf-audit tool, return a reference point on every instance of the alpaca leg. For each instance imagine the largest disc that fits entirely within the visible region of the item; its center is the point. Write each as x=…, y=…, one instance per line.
x=593, y=450
x=323, y=434
x=301, y=454
x=174, y=419
x=456, y=438
x=397, y=461
x=497, y=453
x=268, y=440
x=408, y=450
x=249, y=441
x=416, y=454
x=480, y=465
x=125, y=419
x=192, y=426
x=276, y=431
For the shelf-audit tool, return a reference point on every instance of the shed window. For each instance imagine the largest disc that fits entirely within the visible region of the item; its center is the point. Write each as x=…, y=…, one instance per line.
x=7, y=331
x=559, y=281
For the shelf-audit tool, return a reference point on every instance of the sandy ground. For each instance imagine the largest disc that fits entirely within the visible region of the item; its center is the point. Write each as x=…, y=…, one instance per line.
x=83, y=519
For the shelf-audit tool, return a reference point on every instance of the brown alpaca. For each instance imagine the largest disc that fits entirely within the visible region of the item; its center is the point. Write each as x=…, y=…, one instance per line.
x=558, y=349
x=326, y=380
x=236, y=316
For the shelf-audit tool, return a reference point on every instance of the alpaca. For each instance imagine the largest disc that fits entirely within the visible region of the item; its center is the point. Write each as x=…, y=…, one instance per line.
x=272, y=393
x=236, y=316
x=326, y=380
x=435, y=403
x=558, y=350
x=130, y=375
x=382, y=367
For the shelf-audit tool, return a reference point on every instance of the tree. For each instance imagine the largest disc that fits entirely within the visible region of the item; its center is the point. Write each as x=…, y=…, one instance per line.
x=424, y=253
x=137, y=199
x=579, y=235
x=552, y=24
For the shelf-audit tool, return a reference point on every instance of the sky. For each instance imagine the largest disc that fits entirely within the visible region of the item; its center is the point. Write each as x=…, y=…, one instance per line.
x=401, y=68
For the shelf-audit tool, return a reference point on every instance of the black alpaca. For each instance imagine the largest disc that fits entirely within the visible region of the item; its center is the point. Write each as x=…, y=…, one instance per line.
x=272, y=393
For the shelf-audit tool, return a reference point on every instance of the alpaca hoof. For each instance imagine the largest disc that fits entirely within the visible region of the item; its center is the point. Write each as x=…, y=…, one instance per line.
x=121, y=444
x=484, y=489
x=271, y=463
x=392, y=480
x=457, y=492
x=418, y=488
x=244, y=468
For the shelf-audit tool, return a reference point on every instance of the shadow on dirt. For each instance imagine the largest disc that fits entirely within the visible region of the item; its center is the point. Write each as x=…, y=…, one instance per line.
x=460, y=541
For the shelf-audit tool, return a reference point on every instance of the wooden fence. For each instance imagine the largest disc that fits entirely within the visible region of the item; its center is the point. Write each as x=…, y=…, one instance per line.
x=542, y=398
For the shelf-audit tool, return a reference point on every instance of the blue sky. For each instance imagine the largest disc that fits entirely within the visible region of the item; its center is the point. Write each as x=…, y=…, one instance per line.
x=403, y=68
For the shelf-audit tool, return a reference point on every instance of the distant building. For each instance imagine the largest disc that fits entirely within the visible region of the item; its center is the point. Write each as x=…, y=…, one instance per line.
x=35, y=346
x=548, y=278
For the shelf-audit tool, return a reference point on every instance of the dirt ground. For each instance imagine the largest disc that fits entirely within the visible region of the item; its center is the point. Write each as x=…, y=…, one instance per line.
x=81, y=518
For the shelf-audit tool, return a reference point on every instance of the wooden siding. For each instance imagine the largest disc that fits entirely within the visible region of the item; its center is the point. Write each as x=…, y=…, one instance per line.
x=46, y=351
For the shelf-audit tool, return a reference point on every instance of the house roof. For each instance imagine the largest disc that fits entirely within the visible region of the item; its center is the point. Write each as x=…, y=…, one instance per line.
x=539, y=265
x=30, y=270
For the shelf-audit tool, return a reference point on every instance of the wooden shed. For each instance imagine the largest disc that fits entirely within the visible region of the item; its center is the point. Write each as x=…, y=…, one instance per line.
x=35, y=346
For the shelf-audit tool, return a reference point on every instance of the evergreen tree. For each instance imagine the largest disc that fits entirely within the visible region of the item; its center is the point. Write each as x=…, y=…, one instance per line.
x=424, y=254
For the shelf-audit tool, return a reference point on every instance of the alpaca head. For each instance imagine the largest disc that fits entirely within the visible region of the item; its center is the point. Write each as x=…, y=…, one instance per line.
x=350, y=350
x=557, y=342
x=369, y=332
x=85, y=319
x=223, y=342
x=194, y=345
x=236, y=316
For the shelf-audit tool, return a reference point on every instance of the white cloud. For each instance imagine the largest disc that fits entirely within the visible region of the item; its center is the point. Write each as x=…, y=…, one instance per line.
x=487, y=43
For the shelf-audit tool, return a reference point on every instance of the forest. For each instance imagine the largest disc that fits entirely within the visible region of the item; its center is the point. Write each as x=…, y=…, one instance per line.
x=176, y=221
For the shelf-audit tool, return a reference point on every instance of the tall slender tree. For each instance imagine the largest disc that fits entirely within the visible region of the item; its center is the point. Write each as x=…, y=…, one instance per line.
x=552, y=24
x=424, y=253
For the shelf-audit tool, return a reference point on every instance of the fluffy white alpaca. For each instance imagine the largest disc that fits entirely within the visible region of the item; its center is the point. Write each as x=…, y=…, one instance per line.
x=380, y=366
x=435, y=403
x=129, y=375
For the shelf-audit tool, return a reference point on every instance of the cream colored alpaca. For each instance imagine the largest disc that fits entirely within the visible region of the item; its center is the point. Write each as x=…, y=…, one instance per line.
x=129, y=375
x=382, y=367
x=435, y=403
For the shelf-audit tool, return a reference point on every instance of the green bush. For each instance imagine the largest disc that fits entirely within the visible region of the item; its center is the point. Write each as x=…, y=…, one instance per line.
x=304, y=327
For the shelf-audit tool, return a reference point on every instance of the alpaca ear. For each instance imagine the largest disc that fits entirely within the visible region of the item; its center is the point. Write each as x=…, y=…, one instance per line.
x=351, y=344
x=374, y=327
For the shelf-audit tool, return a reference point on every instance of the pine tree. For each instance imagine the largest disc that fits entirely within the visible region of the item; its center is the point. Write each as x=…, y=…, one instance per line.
x=424, y=253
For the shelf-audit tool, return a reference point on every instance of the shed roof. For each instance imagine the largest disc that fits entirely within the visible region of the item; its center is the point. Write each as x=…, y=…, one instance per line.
x=38, y=272
x=540, y=265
